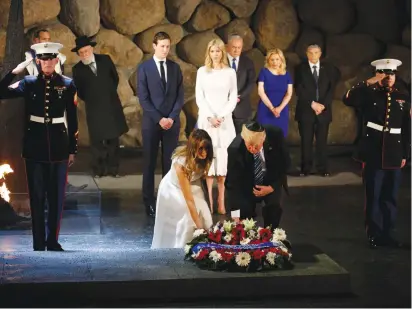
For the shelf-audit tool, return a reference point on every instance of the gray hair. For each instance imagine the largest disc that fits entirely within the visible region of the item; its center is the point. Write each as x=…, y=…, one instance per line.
x=314, y=46
x=234, y=36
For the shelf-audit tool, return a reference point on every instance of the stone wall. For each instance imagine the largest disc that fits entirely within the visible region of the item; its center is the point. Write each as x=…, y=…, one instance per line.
x=352, y=33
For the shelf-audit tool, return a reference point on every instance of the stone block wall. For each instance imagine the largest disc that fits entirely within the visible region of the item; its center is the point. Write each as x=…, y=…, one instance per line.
x=352, y=33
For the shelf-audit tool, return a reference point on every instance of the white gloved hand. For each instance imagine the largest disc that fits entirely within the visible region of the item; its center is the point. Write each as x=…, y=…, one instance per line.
x=20, y=68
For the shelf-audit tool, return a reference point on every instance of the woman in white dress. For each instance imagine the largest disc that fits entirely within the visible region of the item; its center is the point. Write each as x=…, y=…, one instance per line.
x=181, y=205
x=216, y=97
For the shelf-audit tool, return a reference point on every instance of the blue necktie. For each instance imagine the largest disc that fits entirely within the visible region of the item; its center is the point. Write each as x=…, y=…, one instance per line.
x=234, y=64
x=258, y=169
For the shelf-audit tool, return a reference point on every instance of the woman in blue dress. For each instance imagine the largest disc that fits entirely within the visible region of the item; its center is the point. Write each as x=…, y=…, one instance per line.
x=275, y=88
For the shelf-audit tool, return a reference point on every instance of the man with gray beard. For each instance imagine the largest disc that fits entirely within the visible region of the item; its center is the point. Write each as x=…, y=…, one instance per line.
x=96, y=79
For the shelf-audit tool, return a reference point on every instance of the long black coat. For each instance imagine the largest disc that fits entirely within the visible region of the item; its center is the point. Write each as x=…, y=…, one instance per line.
x=305, y=86
x=239, y=181
x=105, y=118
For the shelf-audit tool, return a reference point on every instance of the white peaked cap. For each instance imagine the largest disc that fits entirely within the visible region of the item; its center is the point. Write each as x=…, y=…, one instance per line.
x=386, y=64
x=46, y=48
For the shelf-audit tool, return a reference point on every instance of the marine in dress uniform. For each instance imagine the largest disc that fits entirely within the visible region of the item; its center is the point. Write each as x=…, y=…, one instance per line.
x=383, y=148
x=48, y=147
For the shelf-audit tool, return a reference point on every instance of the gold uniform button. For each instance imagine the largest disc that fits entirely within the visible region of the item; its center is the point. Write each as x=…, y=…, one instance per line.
x=46, y=107
x=47, y=87
x=389, y=104
x=47, y=93
x=47, y=114
x=387, y=122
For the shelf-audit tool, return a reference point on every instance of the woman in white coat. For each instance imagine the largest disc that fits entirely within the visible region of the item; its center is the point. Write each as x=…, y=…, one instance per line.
x=216, y=97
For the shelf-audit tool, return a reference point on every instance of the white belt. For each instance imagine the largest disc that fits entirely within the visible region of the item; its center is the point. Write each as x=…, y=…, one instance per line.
x=46, y=120
x=382, y=128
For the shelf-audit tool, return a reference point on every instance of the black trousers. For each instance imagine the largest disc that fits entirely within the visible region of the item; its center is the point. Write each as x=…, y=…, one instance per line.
x=307, y=130
x=152, y=136
x=239, y=122
x=271, y=211
x=105, y=156
x=381, y=190
x=46, y=180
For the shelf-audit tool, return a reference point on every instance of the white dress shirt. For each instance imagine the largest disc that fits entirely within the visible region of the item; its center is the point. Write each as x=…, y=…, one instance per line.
x=236, y=213
x=157, y=61
x=317, y=66
x=230, y=58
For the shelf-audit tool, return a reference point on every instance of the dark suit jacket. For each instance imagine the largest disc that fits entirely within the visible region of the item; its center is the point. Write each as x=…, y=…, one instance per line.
x=305, y=87
x=156, y=100
x=240, y=173
x=104, y=111
x=246, y=79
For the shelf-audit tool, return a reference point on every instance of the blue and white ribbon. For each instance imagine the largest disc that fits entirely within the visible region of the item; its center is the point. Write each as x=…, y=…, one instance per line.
x=204, y=245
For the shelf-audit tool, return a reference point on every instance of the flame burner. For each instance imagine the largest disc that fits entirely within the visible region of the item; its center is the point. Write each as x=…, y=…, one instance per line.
x=4, y=192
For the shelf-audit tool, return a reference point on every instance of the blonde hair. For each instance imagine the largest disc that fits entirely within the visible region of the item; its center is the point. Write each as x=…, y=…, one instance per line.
x=198, y=138
x=251, y=137
x=278, y=52
x=208, y=60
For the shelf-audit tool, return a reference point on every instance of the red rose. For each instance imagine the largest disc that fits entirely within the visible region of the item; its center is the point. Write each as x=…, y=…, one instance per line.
x=265, y=235
x=215, y=237
x=227, y=256
x=255, y=242
x=202, y=254
x=258, y=254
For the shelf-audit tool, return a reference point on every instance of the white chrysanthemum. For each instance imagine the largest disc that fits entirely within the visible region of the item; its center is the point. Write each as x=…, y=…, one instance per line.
x=228, y=237
x=227, y=226
x=243, y=259
x=279, y=234
x=216, y=228
x=245, y=241
x=198, y=232
x=270, y=257
x=214, y=256
x=248, y=224
x=187, y=249
x=284, y=249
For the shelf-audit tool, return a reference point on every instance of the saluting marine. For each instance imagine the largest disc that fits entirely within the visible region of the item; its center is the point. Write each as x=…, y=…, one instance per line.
x=384, y=147
x=48, y=147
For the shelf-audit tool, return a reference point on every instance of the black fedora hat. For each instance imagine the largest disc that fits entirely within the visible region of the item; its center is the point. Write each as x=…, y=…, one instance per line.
x=83, y=41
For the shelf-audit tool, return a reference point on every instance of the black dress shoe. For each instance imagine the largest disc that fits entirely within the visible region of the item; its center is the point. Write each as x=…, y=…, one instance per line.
x=150, y=211
x=54, y=247
x=304, y=174
x=39, y=248
x=325, y=174
x=373, y=242
x=115, y=175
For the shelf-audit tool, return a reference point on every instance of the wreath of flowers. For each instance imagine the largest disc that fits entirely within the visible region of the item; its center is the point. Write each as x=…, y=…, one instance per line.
x=243, y=246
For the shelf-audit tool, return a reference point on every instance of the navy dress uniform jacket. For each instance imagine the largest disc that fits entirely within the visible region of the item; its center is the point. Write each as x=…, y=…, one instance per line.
x=48, y=98
x=386, y=138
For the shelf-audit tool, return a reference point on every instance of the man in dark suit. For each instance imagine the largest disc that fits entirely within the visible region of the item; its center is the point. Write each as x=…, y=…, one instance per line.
x=258, y=160
x=246, y=79
x=160, y=92
x=314, y=84
x=96, y=79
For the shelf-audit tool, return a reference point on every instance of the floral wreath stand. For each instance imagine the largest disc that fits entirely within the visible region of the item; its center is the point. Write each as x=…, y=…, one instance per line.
x=239, y=247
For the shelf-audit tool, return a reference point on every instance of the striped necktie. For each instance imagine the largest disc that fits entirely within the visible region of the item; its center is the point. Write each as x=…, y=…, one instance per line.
x=258, y=169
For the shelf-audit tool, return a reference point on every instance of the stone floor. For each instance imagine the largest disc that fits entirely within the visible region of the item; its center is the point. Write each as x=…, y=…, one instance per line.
x=328, y=216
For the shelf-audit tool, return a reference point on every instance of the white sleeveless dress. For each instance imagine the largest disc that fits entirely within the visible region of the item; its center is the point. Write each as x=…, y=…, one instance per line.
x=174, y=226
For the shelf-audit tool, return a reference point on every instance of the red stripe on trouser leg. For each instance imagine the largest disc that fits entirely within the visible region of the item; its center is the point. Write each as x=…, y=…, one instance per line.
x=63, y=200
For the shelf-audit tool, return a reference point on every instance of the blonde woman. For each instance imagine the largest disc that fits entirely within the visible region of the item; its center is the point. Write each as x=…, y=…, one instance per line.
x=216, y=97
x=181, y=205
x=275, y=88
